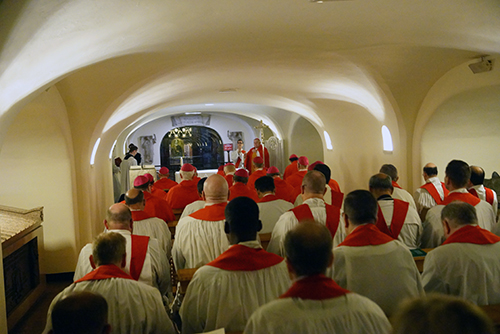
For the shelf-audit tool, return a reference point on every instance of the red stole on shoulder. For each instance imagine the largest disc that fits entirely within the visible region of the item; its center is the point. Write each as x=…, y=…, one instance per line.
x=243, y=258
x=268, y=198
x=303, y=213
x=140, y=215
x=396, y=185
x=398, y=218
x=366, y=235
x=462, y=197
x=139, y=249
x=104, y=272
x=337, y=198
x=472, y=234
x=489, y=194
x=317, y=287
x=211, y=213
x=431, y=189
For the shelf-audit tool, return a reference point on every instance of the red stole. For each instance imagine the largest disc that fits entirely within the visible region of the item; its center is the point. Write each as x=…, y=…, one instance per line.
x=104, y=272
x=366, y=235
x=472, y=234
x=317, y=287
x=243, y=258
x=211, y=213
x=337, y=198
x=431, y=189
x=398, y=218
x=139, y=248
x=229, y=179
x=140, y=215
x=462, y=197
x=396, y=185
x=268, y=198
x=303, y=213
x=489, y=194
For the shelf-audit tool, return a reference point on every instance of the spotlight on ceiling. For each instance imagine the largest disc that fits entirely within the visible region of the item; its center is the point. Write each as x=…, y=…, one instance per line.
x=484, y=65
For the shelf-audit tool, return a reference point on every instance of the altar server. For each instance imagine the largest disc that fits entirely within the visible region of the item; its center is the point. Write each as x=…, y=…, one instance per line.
x=315, y=303
x=368, y=255
x=145, y=261
x=133, y=307
x=395, y=217
x=200, y=237
x=467, y=264
x=225, y=292
x=314, y=208
x=456, y=179
x=185, y=192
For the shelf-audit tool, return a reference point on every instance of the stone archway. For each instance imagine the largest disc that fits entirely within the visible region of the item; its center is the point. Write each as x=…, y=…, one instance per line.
x=198, y=145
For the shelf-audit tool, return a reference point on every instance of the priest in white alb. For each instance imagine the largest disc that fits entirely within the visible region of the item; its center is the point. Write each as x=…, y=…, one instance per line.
x=315, y=303
x=225, y=292
x=370, y=262
x=200, y=237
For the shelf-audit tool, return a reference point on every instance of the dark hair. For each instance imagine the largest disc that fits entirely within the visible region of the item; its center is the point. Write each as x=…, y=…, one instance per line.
x=242, y=215
x=441, y=314
x=143, y=187
x=390, y=170
x=476, y=175
x=460, y=213
x=380, y=181
x=132, y=148
x=264, y=184
x=241, y=179
x=308, y=248
x=108, y=248
x=241, y=140
x=200, y=184
x=293, y=159
x=361, y=207
x=81, y=312
x=325, y=170
x=431, y=171
x=458, y=172
x=137, y=199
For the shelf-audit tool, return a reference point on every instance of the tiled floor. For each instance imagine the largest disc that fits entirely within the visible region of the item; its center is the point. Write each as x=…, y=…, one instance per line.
x=34, y=321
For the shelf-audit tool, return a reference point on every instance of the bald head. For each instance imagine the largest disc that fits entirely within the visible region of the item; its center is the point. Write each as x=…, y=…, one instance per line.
x=308, y=249
x=314, y=182
x=134, y=199
x=118, y=217
x=430, y=170
x=476, y=175
x=81, y=312
x=215, y=189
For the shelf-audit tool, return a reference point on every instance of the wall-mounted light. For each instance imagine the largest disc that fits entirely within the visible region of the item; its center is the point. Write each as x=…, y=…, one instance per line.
x=94, y=151
x=328, y=141
x=387, y=139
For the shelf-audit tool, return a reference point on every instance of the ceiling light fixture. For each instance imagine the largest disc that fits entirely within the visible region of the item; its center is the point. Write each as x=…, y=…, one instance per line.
x=484, y=65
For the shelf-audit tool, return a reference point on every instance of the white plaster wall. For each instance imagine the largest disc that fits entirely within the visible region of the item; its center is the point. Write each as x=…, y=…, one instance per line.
x=36, y=166
x=465, y=127
x=305, y=140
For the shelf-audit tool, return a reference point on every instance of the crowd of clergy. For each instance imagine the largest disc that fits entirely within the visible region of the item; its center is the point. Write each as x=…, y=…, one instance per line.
x=289, y=253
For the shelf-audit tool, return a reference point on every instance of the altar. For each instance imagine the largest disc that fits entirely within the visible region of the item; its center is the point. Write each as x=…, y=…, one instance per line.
x=201, y=174
x=22, y=241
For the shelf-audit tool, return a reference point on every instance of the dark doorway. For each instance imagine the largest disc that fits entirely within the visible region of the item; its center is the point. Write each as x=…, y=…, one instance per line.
x=198, y=145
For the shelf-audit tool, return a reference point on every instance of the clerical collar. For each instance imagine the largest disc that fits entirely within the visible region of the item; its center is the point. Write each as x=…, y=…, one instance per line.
x=384, y=197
